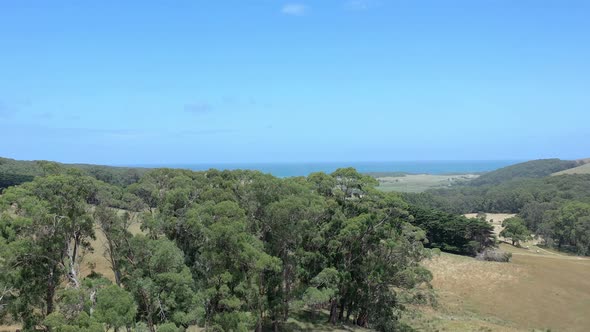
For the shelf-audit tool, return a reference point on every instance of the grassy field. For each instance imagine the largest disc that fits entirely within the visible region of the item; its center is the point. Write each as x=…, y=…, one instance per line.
x=535, y=291
x=584, y=169
x=415, y=183
x=538, y=290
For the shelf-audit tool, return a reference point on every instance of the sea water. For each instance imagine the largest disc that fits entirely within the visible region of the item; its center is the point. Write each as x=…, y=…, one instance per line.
x=304, y=169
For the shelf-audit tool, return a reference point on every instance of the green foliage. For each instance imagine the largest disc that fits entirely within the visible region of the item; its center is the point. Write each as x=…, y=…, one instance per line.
x=58, y=322
x=168, y=327
x=14, y=172
x=530, y=169
x=569, y=227
x=539, y=202
x=453, y=233
x=515, y=230
x=46, y=227
x=230, y=250
x=115, y=307
x=160, y=282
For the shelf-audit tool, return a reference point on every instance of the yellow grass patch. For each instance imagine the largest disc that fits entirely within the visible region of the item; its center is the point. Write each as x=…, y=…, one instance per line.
x=534, y=291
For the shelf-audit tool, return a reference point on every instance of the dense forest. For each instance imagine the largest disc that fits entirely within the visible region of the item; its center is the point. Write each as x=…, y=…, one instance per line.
x=224, y=250
x=556, y=208
x=13, y=172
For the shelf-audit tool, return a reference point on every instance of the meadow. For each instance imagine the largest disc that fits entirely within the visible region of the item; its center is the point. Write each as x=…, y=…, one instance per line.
x=538, y=290
x=416, y=183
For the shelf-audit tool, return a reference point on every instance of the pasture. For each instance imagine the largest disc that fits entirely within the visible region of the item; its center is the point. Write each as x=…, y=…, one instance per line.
x=538, y=290
x=583, y=169
x=415, y=183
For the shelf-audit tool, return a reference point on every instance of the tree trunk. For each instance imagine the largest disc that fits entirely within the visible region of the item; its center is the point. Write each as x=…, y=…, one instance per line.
x=333, y=311
x=342, y=307
x=349, y=311
x=363, y=319
x=49, y=297
x=260, y=304
x=286, y=288
x=150, y=323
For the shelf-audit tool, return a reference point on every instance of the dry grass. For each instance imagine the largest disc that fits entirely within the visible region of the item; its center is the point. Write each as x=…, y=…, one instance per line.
x=96, y=259
x=535, y=291
x=495, y=219
x=584, y=169
x=421, y=182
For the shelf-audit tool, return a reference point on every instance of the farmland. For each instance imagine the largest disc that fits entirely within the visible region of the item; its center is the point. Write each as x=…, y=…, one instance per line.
x=538, y=290
x=415, y=183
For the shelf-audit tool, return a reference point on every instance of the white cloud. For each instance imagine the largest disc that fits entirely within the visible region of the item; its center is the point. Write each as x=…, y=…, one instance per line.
x=295, y=9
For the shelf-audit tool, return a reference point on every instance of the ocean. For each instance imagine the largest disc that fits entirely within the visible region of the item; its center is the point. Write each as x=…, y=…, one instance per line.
x=304, y=169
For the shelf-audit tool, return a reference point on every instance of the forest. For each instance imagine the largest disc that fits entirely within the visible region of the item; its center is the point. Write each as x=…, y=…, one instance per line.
x=555, y=208
x=221, y=250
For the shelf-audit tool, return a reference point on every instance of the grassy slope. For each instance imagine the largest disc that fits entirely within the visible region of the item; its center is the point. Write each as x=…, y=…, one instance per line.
x=530, y=169
x=583, y=169
x=539, y=289
x=534, y=291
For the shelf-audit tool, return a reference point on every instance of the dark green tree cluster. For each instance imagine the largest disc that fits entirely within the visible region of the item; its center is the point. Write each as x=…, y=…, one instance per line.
x=225, y=250
x=453, y=233
x=567, y=227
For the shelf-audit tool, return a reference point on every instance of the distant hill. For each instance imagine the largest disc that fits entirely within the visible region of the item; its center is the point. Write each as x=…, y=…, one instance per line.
x=530, y=169
x=582, y=169
x=14, y=172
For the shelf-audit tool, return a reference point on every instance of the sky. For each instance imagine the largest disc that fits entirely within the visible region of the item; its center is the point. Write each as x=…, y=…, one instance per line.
x=250, y=81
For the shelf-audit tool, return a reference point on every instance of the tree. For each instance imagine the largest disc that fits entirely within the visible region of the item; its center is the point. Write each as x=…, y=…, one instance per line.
x=160, y=282
x=515, y=230
x=570, y=226
x=115, y=307
x=46, y=228
x=230, y=262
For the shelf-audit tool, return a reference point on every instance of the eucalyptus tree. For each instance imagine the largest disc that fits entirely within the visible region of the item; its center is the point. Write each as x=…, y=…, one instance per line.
x=46, y=227
x=162, y=285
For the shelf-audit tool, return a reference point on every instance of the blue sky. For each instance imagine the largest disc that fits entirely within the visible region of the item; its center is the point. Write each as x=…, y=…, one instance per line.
x=136, y=82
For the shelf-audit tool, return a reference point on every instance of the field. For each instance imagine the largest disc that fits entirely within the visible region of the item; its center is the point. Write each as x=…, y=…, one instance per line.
x=584, y=169
x=537, y=290
x=415, y=183
x=534, y=291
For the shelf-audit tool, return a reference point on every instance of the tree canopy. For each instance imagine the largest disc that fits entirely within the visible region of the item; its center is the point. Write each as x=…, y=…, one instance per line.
x=225, y=250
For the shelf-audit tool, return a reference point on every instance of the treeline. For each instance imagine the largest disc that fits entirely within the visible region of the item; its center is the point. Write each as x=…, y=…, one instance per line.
x=225, y=250
x=14, y=172
x=552, y=207
x=527, y=170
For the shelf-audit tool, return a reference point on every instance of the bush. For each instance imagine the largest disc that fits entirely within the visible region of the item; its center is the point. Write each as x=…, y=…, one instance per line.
x=494, y=255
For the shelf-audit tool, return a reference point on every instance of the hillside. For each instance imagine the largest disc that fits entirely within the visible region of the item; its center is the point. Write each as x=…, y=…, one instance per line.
x=13, y=172
x=583, y=169
x=530, y=169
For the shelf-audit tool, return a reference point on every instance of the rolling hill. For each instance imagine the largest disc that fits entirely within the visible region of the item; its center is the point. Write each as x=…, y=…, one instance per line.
x=582, y=169
x=530, y=169
x=13, y=172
